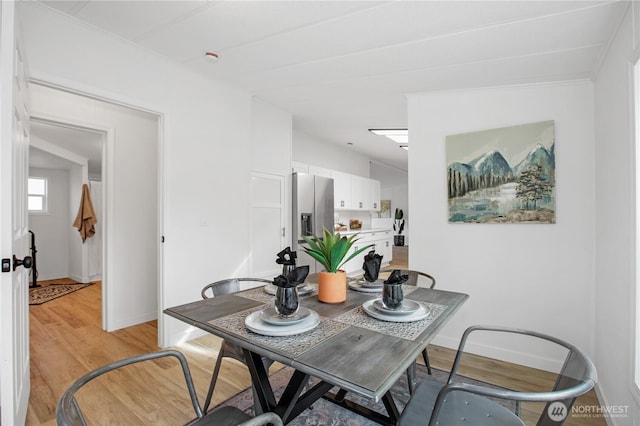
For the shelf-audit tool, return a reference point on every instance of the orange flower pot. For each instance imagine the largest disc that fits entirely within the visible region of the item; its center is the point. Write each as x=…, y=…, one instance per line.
x=332, y=286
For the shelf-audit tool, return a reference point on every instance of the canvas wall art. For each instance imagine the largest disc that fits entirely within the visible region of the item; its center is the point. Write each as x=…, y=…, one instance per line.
x=385, y=208
x=504, y=175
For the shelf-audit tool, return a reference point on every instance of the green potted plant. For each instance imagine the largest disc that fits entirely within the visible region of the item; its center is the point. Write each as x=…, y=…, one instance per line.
x=331, y=251
x=398, y=226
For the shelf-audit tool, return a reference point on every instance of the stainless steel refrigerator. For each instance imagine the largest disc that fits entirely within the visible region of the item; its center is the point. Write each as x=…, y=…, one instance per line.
x=312, y=212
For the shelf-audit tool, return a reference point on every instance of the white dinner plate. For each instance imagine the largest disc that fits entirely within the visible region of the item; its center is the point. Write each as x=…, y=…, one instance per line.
x=271, y=316
x=303, y=289
x=421, y=313
x=407, y=307
x=255, y=323
x=376, y=284
x=355, y=285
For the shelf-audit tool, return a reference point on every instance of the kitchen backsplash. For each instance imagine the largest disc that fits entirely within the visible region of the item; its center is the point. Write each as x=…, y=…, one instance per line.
x=345, y=216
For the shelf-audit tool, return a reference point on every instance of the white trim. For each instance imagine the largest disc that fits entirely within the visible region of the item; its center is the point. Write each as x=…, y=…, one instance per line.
x=93, y=92
x=162, y=125
x=634, y=384
x=108, y=175
x=189, y=334
x=108, y=170
x=500, y=353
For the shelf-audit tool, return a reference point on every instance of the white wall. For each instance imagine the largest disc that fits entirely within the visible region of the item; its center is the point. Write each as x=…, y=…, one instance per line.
x=394, y=186
x=614, y=259
x=309, y=150
x=533, y=276
x=52, y=229
x=271, y=137
x=206, y=144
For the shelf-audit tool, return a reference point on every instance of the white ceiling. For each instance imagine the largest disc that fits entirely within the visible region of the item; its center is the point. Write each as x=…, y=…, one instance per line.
x=342, y=67
x=83, y=143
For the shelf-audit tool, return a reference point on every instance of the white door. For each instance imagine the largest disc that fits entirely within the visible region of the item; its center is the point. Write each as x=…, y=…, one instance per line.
x=14, y=235
x=267, y=224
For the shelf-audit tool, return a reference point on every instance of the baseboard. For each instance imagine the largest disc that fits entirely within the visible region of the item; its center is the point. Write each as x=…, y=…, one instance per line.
x=187, y=334
x=75, y=277
x=547, y=363
x=128, y=322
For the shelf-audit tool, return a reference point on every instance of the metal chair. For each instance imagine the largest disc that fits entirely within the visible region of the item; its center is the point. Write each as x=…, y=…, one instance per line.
x=229, y=350
x=457, y=403
x=68, y=411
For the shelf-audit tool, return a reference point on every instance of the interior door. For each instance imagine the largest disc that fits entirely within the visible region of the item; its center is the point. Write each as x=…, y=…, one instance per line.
x=267, y=224
x=14, y=235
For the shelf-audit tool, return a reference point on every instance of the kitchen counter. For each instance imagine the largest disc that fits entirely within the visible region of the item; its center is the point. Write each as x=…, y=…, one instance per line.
x=362, y=231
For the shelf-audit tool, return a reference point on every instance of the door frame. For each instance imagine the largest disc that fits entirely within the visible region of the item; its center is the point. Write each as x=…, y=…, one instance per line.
x=109, y=168
x=108, y=175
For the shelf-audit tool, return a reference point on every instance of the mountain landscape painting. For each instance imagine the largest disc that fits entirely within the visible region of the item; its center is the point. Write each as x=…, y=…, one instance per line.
x=504, y=175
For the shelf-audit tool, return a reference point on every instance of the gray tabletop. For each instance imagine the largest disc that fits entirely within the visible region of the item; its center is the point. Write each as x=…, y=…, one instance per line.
x=349, y=349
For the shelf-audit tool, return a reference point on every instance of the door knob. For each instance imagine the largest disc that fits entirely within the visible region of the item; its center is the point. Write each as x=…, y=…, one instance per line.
x=26, y=262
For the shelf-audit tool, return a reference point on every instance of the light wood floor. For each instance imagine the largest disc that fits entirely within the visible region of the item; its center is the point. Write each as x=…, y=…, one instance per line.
x=67, y=342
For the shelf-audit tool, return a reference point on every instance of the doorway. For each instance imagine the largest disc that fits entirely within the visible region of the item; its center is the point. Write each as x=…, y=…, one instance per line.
x=64, y=157
x=130, y=176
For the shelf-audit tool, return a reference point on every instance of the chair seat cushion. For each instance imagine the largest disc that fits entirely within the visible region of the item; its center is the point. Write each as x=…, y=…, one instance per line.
x=459, y=408
x=223, y=416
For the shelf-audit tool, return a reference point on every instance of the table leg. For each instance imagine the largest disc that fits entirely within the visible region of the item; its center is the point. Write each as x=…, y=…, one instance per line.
x=260, y=378
x=387, y=399
x=291, y=402
x=391, y=406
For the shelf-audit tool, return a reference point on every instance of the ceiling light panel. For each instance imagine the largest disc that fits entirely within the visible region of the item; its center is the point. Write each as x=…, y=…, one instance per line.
x=396, y=135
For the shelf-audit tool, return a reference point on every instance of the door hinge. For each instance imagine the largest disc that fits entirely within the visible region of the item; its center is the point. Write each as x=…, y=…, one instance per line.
x=162, y=239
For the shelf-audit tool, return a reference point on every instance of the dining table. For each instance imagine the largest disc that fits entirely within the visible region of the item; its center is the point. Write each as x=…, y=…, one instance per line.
x=347, y=351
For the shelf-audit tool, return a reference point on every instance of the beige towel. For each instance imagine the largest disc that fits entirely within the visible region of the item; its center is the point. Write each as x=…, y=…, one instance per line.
x=86, y=218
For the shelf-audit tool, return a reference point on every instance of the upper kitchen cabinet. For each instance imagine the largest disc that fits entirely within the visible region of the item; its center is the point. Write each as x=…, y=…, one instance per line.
x=350, y=192
x=360, y=193
x=355, y=192
x=341, y=190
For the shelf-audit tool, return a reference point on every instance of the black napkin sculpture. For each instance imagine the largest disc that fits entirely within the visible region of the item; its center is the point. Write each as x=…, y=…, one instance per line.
x=371, y=266
x=396, y=277
x=286, y=257
x=295, y=277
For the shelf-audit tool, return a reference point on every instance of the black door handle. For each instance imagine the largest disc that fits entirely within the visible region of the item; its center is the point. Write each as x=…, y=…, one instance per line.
x=26, y=262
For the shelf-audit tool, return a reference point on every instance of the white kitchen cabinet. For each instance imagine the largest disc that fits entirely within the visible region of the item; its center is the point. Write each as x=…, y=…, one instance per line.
x=341, y=190
x=353, y=192
x=350, y=192
x=360, y=193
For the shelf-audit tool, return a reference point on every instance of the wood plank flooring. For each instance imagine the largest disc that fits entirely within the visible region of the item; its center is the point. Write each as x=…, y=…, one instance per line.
x=67, y=341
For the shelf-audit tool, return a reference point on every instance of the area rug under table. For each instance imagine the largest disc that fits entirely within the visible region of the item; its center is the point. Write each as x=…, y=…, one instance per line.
x=326, y=413
x=40, y=295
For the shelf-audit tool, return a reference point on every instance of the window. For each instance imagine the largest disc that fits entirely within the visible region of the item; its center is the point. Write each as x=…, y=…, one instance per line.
x=37, y=195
